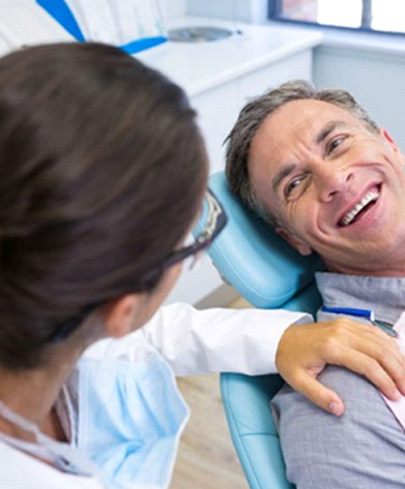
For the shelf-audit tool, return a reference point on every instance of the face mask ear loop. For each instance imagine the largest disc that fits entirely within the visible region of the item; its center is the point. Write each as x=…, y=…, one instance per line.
x=20, y=421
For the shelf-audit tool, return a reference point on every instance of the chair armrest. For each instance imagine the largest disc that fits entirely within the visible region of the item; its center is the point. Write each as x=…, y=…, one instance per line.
x=252, y=428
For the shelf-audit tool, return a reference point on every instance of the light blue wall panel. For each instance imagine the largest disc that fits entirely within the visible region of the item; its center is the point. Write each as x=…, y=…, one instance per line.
x=375, y=78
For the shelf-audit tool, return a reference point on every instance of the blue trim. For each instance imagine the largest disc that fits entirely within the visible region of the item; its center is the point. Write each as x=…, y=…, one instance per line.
x=144, y=43
x=60, y=11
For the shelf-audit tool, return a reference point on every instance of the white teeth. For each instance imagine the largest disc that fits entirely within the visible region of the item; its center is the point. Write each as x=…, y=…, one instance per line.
x=369, y=197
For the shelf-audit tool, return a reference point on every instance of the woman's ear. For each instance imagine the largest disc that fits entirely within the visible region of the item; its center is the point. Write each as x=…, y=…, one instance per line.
x=119, y=315
x=297, y=243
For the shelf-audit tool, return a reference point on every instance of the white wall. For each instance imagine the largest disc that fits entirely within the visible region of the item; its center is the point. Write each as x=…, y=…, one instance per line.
x=174, y=8
x=375, y=78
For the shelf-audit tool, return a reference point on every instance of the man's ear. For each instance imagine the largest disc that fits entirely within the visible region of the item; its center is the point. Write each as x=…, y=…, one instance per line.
x=297, y=243
x=388, y=138
x=119, y=315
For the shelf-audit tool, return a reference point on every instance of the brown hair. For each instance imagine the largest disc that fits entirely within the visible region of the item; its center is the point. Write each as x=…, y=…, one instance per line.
x=102, y=170
x=251, y=117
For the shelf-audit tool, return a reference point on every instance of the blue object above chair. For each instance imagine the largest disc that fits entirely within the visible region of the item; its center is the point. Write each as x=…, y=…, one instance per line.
x=268, y=273
x=60, y=11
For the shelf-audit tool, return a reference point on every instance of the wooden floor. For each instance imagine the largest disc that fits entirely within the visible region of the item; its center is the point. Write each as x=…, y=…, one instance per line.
x=206, y=459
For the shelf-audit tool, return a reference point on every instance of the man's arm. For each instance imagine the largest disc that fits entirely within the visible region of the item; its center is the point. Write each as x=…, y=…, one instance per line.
x=362, y=450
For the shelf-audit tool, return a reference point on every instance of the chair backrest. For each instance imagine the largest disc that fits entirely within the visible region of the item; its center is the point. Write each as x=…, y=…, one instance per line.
x=268, y=273
x=250, y=256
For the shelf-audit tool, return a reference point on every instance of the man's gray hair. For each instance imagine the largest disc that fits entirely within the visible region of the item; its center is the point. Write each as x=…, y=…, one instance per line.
x=251, y=117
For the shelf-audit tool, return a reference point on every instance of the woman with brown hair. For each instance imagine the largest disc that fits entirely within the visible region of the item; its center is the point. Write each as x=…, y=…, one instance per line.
x=102, y=175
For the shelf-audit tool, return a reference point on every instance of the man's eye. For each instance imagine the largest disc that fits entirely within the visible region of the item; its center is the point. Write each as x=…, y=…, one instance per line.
x=293, y=187
x=334, y=143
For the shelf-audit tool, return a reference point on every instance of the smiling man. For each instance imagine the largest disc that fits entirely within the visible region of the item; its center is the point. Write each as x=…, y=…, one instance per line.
x=316, y=167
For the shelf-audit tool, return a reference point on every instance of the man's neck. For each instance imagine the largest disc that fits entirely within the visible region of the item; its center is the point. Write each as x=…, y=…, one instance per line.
x=380, y=268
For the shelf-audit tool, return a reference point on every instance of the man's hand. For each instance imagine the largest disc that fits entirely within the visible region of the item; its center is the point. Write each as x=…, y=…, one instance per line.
x=305, y=350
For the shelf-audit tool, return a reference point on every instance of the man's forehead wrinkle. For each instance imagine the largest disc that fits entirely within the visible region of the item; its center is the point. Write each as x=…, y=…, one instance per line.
x=328, y=129
x=285, y=139
x=302, y=146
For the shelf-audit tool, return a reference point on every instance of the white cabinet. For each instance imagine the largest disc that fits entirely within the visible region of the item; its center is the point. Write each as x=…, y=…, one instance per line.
x=218, y=109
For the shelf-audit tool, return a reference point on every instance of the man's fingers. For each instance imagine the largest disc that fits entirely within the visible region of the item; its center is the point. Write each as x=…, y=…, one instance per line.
x=317, y=393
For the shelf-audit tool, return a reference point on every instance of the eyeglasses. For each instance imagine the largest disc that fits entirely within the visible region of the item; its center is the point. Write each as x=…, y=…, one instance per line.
x=215, y=221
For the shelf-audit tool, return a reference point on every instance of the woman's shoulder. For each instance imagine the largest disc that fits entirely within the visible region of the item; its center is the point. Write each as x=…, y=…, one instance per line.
x=17, y=468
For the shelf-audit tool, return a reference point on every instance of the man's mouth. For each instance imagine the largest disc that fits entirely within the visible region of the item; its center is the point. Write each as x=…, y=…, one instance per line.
x=362, y=206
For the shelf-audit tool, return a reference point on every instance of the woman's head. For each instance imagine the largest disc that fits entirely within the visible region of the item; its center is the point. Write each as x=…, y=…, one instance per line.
x=102, y=170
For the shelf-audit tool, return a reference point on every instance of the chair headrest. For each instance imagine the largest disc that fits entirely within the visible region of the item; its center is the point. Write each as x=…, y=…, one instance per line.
x=251, y=257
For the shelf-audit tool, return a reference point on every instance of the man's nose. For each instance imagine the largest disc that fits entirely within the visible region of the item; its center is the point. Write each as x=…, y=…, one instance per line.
x=331, y=180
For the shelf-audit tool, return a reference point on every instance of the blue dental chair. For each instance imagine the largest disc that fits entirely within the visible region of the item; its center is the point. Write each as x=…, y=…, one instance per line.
x=269, y=274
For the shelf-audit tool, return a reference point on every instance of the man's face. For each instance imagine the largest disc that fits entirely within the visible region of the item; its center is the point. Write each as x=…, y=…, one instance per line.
x=335, y=186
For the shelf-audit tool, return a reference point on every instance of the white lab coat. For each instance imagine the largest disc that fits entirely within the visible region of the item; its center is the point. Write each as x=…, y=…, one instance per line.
x=192, y=342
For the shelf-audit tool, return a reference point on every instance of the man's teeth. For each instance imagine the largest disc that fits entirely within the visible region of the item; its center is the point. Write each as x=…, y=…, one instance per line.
x=369, y=197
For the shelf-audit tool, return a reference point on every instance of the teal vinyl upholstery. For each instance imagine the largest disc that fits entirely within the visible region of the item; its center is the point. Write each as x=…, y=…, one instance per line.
x=269, y=274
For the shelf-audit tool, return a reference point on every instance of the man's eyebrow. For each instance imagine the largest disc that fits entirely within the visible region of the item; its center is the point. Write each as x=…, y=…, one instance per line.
x=279, y=177
x=320, y=137
x=327, y=129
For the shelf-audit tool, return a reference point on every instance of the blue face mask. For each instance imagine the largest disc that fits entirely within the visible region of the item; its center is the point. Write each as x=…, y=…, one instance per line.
x=130, y=417
x=128, y=422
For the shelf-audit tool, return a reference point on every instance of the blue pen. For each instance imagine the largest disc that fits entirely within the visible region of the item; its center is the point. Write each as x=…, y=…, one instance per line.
x=362, y=313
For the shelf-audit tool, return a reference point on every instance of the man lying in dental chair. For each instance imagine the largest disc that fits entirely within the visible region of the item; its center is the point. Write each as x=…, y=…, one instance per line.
x=315, y=166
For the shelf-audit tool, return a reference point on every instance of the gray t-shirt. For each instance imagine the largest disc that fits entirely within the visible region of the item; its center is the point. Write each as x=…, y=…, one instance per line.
x=364, y=448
